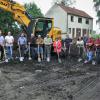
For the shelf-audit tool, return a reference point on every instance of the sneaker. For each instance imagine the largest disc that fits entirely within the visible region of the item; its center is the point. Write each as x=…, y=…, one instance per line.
x=80, y=59
x=85, y=61
x=93, y=63
x=39, y=59
x=6, y=60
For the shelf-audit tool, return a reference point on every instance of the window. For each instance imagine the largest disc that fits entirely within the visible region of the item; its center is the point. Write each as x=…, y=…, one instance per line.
x=69, y=30
x=87, y=21
x=78, y=32
x=79, y=20
x=90, y=31
x=40, y=26
x=84, y=32
x=72, y=18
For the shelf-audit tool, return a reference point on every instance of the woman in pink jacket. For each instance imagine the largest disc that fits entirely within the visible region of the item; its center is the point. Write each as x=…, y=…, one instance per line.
x=57, y=48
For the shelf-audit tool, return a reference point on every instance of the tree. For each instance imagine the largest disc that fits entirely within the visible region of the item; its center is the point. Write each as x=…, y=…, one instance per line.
x=7, y=22
x=97, y=6
x=33, y=10
x=64, y=2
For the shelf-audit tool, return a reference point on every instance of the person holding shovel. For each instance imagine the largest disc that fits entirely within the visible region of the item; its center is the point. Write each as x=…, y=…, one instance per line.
x=57, y=48
x=2, y=40
x=33, y=46
x=90, y=51
x=22, y=43
x=39, y=49
x=80, y=45
x=47, y=47
x=67, y=43
x=9, y=40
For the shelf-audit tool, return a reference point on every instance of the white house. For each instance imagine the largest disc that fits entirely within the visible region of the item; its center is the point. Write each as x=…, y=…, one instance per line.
x=71, y=20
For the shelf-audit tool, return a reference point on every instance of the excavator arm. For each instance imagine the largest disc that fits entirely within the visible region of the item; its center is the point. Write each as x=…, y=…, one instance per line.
x=19, y=13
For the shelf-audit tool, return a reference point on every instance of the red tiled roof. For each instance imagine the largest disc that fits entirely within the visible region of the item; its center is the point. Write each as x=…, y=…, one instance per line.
x=75, y=11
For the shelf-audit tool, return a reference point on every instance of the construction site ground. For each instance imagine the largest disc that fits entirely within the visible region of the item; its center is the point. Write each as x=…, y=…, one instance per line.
x=30, y=80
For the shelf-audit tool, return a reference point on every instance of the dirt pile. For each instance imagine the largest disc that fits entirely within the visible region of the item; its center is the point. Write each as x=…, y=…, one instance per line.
x=46, y=81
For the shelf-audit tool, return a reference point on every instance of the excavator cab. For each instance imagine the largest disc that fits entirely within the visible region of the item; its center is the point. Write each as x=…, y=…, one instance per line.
x=43, y=26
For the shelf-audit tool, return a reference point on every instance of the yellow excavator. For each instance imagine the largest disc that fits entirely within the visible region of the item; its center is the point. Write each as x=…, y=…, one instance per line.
x=37, y=26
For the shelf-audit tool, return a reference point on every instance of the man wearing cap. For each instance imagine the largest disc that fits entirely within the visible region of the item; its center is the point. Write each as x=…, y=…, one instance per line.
x=47, y=47
x=90, y=50
x=22, y=42
x=40, y=43
x=1, y=46
x=67, y=43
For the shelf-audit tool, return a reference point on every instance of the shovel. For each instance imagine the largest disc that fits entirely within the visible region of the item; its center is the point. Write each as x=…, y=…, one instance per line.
x=39, y=59
x=29, y=53
x=20, y=58
x=59, y=60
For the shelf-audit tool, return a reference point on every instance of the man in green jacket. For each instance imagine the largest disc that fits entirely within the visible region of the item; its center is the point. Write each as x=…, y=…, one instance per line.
x=47, y=47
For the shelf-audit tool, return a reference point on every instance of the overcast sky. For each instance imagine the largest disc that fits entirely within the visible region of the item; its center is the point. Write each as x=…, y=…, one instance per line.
x=85, y=5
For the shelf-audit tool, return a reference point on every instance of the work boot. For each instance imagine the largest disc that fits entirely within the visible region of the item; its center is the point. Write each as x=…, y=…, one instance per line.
x=39, y=59
x=85, y=61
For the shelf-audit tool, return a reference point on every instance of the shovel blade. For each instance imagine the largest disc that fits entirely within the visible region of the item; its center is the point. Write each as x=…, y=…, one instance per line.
x=30, y=58
x=6, y=60
x=59, y=60
x=21, y=59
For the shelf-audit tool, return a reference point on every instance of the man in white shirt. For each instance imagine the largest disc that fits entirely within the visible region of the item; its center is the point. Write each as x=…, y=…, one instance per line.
x=1, y=46
x=9, y=40
x=80, y=45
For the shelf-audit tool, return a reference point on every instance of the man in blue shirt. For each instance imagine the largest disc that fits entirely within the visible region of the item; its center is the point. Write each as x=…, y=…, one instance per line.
x=22, y=43
x=67, y=43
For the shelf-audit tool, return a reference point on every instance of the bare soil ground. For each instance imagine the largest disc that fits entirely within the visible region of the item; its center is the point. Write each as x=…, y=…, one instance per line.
x=31, y=80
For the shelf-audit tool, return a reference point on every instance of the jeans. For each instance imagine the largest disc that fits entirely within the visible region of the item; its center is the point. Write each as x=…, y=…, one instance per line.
x=98, y=56
x=22, y=49
x=39, y=50
x=33, y=52
x=89, y=55
x=47, y=51
x=2, y=52
x=9, y=51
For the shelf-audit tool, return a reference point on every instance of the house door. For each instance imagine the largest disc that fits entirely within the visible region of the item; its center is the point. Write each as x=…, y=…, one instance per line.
x=84, y=32
x=78, y=32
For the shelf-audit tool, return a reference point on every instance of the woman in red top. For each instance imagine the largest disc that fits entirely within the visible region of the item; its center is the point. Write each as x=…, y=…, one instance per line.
x=57, y=48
